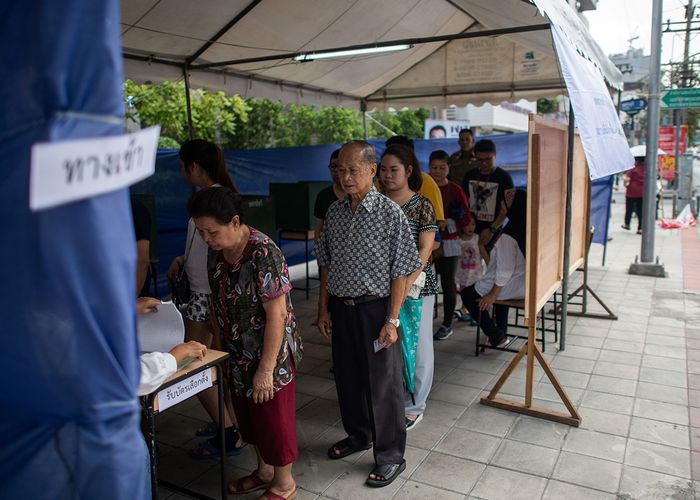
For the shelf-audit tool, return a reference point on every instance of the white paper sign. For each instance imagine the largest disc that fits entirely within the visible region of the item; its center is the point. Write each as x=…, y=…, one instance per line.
x=66, y=171
x=162, y=330
x=603, y=139
x=184, y=389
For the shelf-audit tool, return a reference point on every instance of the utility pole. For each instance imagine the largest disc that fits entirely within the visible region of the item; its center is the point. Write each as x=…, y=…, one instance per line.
x=647, y=266
x=678, y=114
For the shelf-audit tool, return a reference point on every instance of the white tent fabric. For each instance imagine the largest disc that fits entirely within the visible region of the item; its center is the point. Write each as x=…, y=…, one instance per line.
x=159, y=36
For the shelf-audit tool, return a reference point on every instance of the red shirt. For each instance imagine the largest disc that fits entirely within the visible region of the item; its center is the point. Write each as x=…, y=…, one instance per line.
x=455, y=204
x=635, y=189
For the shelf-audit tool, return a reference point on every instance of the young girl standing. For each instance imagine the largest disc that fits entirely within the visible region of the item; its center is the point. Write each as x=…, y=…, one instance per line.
x=469, y=265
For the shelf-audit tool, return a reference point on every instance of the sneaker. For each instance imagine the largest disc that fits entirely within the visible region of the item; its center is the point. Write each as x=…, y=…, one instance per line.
x=504, y=343
x=412, y=422
x=443, y=332
x=625, y=226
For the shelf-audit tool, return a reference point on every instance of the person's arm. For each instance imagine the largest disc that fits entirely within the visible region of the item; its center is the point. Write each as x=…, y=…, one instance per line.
x=275, y=316
x=157, y=367
x=324, y=318
x=317, y=228
x=143, y=261
x=388, y=334
x=504, y=260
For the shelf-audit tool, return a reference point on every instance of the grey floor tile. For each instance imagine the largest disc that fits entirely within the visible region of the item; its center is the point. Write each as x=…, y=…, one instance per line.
x=525, y=457
x=446, y=471
x=412, y=490
x=595, y=444
x=496, y=483
x=441, y=413
x=455, y=394
x=665, y=351
x=470, y=378
x=628, y=335
x=658, y=457
x=575, y=351
x=647, y=485
x=483, y=364
x=665, y=340
x=667, y=412
x=659, y=432
x=618, y=370
x=663, y=393
x=608, y=402
x=313, y=385
x=625, y=358
x=556, y=490
x=612, y=385
x=486, y=419
x=599, y=474
x=573, y=364
x=662, y=363
x=468, y=444
x=426, y=436
x=663, y=377
x=584, y=341
x=539, y=432
x=623, y=345
x=571, y=379
x=320, y=410
x=315, y=472
x=605, y=421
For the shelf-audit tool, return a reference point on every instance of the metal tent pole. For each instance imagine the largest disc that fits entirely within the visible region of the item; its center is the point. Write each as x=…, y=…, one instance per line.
x=567, y=228
x=646, y=266
x=186, y=73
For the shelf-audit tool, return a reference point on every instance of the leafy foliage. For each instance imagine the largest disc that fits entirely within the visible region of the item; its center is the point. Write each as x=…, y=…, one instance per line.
x=235, y=123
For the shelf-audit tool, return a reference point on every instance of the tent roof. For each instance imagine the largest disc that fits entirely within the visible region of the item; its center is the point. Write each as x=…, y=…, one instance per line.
x=213, y=36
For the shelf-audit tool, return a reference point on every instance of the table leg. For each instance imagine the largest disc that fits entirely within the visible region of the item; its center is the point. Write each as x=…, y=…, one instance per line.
x=151, y=443
x=222, y=430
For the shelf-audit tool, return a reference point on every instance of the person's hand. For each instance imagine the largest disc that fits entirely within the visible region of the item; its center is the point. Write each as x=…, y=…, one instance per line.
x=388, y=334
x=191, y=349
x=175, y=266
x=324, y=323
x=485, y=237
x=146, y=305
x=487, y=301
x=263, y=389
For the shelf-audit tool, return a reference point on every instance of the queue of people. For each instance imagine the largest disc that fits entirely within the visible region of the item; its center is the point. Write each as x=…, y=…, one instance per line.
x=378, y=244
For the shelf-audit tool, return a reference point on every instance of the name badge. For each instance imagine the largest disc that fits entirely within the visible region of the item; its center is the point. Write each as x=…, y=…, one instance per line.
x=66, y=171
x=184, y=389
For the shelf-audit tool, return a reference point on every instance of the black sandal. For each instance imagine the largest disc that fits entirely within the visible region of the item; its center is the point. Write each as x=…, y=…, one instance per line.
x=388, y=472
x=344, y=449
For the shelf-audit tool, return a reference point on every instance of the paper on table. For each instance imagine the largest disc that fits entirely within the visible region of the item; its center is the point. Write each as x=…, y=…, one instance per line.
x=162, y=330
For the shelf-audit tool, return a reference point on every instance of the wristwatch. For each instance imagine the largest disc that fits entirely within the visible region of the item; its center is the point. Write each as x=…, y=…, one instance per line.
x=393, y=321
x=494, y=230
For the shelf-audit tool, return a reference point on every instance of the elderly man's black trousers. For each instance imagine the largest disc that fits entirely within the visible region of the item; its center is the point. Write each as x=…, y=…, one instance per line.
x=369, y=384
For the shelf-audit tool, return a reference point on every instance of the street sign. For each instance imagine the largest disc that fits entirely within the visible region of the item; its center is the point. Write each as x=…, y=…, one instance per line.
x=680, y=99
x=633, y=106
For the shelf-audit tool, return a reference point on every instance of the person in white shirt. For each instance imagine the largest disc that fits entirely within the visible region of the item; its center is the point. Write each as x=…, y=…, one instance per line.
x=157, y=367
x=505, y=275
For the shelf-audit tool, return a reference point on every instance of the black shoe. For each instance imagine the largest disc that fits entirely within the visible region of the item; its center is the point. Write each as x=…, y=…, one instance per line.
x=387, y=473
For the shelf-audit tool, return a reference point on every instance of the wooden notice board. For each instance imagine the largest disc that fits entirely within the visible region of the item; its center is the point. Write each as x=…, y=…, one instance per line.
x=580, y=206
x=544, y=259
x=546, y=202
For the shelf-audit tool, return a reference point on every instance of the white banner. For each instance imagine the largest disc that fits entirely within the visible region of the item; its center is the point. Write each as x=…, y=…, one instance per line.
x=66, y=171
x=185, y=389
x=603, y=138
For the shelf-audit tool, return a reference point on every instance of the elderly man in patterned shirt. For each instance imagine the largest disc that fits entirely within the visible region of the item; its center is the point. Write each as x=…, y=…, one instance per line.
x=365, y=252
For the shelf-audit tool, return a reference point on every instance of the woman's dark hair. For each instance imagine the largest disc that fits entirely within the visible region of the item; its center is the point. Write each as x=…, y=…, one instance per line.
x=399, y=140
x=210, y=157
x=439, y=155
x=220, y=203
x=407, y=158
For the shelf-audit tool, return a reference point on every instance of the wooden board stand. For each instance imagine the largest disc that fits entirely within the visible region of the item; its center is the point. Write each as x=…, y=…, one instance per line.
x=544, y=261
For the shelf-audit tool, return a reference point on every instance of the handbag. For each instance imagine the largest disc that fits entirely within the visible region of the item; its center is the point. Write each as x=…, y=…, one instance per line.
x=417, y=286
x=180, y=286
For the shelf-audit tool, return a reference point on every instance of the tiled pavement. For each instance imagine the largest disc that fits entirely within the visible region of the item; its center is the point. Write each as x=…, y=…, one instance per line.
x=635, y=381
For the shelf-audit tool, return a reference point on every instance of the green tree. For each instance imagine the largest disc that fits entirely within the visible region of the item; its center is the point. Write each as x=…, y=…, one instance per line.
x=338, y=125
x=545, y=106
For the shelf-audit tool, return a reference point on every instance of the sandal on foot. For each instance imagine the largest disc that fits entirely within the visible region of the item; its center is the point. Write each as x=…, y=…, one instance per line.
x=205, y=449
x=344, y=449
x=207, y=430
x=269, y=495
x=387, y=473
x=239, y=489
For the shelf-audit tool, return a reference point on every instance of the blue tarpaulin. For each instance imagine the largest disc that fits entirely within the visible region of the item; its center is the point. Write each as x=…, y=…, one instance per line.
x=253, y=171
x=68, y=410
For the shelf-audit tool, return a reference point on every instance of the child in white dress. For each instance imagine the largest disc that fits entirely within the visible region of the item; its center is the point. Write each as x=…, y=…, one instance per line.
x=469, y=266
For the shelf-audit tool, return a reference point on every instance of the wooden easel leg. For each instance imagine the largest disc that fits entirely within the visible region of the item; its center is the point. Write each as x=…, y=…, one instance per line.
x=530, y=370
x=509, y=369
x=557, y=385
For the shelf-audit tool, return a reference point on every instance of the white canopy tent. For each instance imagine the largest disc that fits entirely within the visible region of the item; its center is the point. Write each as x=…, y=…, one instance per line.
x=462, y=51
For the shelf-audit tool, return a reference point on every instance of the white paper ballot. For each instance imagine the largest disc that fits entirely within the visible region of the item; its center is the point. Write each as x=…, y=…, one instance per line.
x=162, y=330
